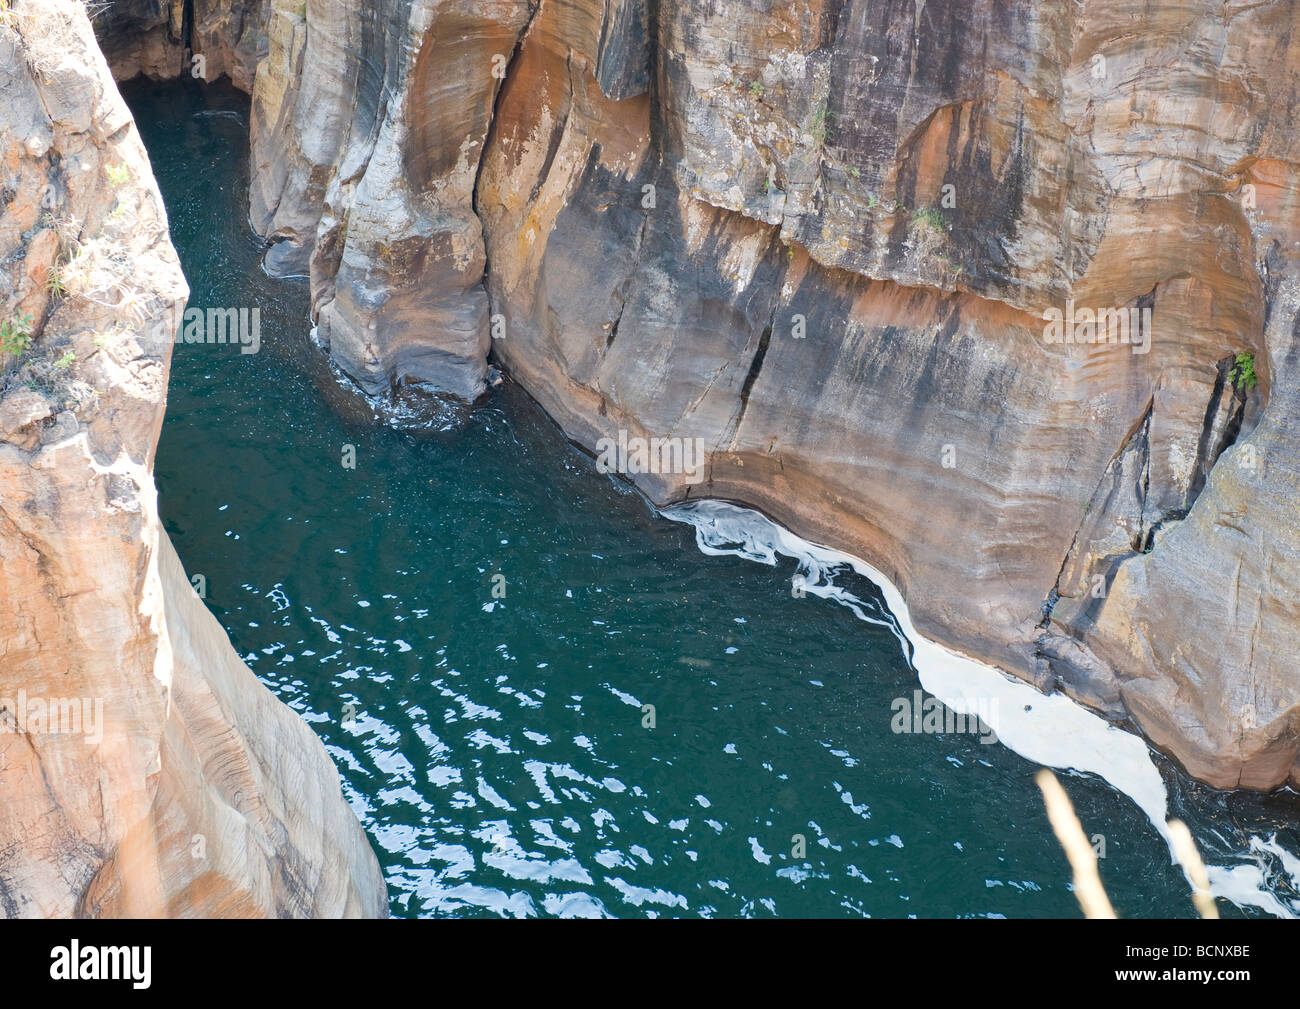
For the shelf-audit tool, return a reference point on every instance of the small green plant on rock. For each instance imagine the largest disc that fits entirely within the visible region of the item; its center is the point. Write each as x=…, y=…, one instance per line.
x=929, y=217
x=757, y=89
x=820, y=118
x=1242, y=375
x=16, y=334
x=54, y=285
x=118, y=175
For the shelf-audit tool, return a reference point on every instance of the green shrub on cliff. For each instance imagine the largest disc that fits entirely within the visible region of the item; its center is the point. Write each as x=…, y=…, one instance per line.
x=118, y=175
x=929, y=217
x=16, y=335
x=1242, y=375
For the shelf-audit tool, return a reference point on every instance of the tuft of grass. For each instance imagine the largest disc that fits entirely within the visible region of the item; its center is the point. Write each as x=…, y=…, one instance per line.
x=67, y=228
x=65, y=361
x=16, y=334
x=855, y=172
x=929, y=217
x=118, y=175
x=54, y=282
x=1242, y=375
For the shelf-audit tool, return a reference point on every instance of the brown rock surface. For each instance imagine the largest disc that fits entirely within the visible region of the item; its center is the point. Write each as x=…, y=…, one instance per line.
x=922, y=421
x=175, y=783
x=364, y=178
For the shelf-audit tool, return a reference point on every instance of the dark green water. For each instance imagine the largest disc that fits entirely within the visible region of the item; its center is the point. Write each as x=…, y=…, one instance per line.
x=497, y=756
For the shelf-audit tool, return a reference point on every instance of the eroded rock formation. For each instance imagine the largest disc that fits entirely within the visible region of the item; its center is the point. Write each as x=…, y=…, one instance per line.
x=822, y=237
x=158, y=37
x=144, y=770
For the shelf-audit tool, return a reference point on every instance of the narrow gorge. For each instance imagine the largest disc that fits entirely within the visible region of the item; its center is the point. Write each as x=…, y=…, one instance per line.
x=825, y=242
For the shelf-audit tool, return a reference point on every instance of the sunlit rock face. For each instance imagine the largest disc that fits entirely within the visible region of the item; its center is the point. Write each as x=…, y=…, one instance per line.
x=144, y=769
x=860, y=220
x=368, y=128
x=827, y=238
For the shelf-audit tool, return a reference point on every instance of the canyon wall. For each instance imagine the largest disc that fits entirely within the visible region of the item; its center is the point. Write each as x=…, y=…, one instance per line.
x=822, y=238
x=145, y=771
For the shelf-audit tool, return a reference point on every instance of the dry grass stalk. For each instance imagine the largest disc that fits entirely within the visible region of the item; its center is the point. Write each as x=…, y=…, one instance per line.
x=1190, y=859
x=1087, y=882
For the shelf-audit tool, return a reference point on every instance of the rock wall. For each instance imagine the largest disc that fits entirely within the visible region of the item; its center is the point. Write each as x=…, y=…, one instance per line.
x=144, y=769
x=159, y=38
x=822, y=237
x=377, y=205
x=868, y=364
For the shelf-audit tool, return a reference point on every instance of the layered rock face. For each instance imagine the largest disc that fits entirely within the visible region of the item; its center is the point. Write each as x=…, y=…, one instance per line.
x=360, y=184
x=145, y=771
x=823, y=238
x=862, y=215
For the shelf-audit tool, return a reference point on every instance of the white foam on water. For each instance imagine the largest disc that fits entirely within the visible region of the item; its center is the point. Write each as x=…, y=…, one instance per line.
x=1048, y=729
x=1244, y=885
x=1247, y=884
